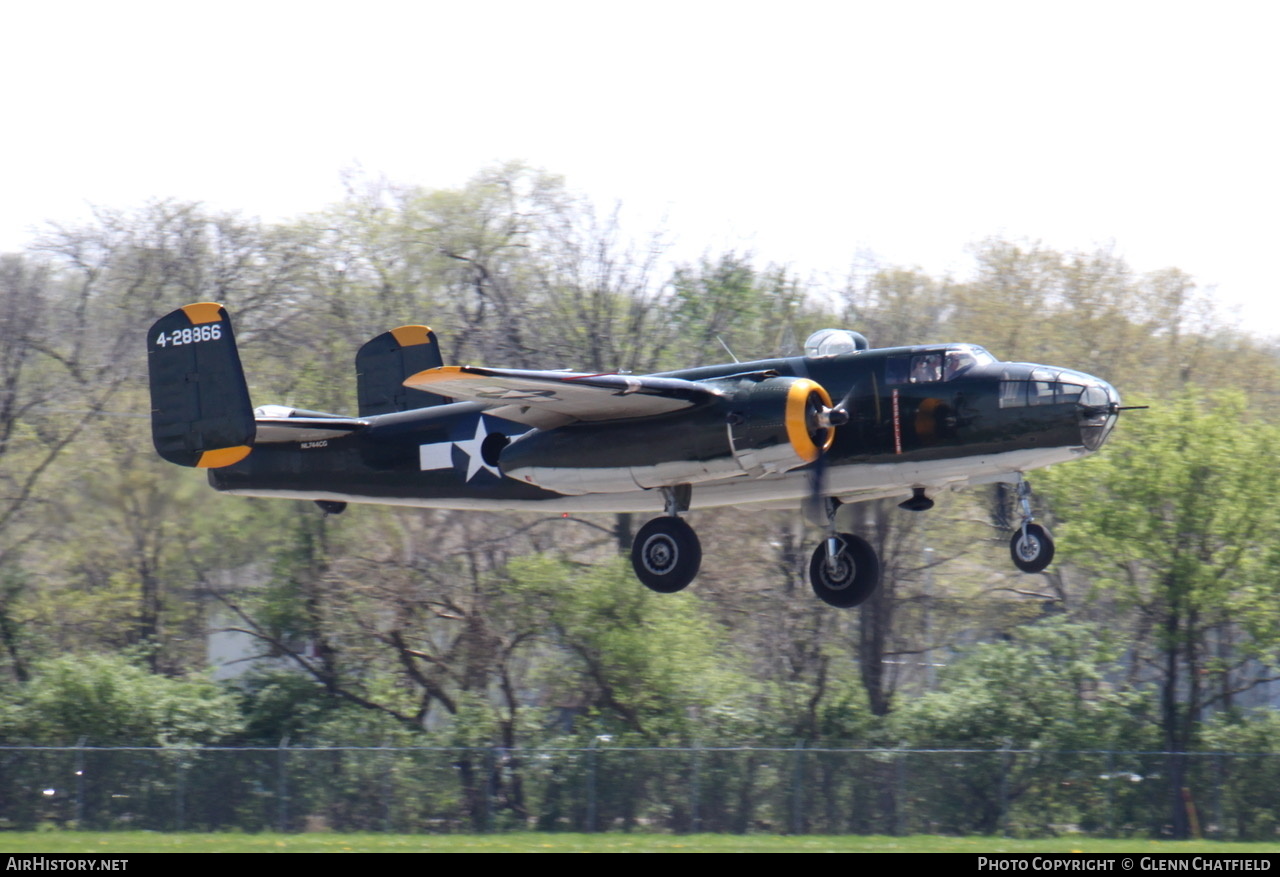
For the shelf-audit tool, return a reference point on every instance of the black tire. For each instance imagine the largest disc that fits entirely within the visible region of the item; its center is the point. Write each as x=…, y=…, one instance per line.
x=666, y=555
x=855, y=578
x=1032, y=552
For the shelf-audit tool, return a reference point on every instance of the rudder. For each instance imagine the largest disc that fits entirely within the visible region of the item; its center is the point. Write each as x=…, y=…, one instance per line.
x=201, y=415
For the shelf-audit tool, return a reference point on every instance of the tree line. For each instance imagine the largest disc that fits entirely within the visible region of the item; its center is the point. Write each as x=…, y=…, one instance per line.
x=1156, y=629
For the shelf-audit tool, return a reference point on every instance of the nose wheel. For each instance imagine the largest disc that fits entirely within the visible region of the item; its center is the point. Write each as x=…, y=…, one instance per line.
x=1032, y=545
x=1031, y=548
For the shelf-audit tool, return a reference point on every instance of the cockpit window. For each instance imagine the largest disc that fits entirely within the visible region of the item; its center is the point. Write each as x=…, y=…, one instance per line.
x=943, y=365
x=958, y=361
x=1043, y=387
x=926, y=369
x=923, y=368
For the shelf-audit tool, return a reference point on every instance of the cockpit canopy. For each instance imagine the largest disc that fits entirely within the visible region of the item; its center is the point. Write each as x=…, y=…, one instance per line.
x=833, y=342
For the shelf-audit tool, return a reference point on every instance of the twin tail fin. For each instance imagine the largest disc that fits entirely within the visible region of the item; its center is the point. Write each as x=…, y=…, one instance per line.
x=201, y=415
x=200, y=410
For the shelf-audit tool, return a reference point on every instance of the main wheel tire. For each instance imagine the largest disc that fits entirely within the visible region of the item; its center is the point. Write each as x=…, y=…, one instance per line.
x=855, y=577
x=1031, y=551
x=666, y=555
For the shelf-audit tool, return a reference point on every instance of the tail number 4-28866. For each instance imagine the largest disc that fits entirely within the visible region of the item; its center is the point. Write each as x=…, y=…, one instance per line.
x=194, y=335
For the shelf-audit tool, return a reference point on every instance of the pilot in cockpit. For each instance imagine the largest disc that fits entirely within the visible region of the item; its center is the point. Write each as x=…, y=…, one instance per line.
x=925, y=369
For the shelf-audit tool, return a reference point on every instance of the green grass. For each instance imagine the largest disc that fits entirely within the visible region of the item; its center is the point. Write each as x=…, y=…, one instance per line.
x=114, y=843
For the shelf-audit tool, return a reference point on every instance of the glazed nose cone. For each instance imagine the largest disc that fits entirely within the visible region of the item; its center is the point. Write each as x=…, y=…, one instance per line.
x=1099, y=407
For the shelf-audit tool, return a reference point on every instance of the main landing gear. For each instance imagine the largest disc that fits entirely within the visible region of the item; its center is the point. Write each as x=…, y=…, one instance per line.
x=844, y=570
x=666, y=553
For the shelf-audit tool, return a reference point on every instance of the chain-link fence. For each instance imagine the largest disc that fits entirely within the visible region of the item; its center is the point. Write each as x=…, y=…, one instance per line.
x=796, y=790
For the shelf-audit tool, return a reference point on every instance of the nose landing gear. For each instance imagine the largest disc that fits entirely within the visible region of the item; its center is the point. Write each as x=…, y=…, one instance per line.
x=1032, y=545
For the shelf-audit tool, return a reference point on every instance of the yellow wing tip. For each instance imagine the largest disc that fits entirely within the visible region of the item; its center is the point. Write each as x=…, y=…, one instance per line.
x=433, y=375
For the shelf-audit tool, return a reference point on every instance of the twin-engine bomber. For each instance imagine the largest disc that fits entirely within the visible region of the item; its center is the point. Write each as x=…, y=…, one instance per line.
x=910, y=421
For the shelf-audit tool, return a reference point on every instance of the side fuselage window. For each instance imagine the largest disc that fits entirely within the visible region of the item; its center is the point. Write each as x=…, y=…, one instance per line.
x=1044, y=389
x=1013, y=394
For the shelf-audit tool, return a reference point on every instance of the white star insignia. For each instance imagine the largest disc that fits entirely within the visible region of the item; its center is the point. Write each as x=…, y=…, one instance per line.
x=471, y=447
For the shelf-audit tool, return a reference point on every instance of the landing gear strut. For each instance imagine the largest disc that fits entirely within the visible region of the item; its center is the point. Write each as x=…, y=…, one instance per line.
x=844, y=570
x=1032, y=545
x=666, y=553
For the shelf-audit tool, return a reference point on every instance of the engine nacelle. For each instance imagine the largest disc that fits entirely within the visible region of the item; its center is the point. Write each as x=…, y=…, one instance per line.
x=761, y=424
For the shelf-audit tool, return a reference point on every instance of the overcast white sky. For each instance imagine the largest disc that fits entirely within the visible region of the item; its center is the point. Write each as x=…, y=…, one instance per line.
x=807, y=131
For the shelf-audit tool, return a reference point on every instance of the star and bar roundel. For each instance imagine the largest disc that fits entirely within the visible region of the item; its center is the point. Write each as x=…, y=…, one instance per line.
x=463, y=453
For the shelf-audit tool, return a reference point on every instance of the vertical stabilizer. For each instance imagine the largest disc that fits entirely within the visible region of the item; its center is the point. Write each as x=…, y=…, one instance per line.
x=200, y=410
x=384, y=362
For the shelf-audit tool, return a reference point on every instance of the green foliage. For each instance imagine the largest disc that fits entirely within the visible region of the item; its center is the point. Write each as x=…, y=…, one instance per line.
x=1175, y=519
x=279, y=705
x=1045, y=687
x=1250, y=773
x=1029, y=700
x=109, y=700
x=647, y=663
x=729, y=300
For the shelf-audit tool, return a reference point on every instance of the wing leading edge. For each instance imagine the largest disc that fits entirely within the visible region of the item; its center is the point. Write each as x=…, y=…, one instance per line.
x=547, y=399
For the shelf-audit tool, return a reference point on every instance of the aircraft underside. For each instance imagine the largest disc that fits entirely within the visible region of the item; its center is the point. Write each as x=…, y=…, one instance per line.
x=849, y=483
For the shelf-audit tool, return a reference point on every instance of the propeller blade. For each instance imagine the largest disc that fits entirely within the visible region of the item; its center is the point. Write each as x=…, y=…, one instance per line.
x=815, y=505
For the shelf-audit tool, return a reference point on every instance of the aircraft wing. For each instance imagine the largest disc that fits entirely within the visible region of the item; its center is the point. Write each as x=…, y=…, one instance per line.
x=548, y=399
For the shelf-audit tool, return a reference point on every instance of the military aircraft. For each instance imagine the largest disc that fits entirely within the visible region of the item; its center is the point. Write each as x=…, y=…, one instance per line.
x=910, y=421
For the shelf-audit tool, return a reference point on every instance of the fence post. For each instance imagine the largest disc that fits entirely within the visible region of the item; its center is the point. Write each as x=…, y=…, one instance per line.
x=900, y=794
x=180, y=790
x=591, y=785
x=797, y=789
x=1003, y=819
x=388, y=787
x=1219, y=782
x=79, y=811
x=695, y=796
x=490, y=765
x=1110, y=775
x=282, y=785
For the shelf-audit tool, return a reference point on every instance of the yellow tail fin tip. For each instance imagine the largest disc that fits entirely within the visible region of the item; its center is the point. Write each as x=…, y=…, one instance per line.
x=220, y=457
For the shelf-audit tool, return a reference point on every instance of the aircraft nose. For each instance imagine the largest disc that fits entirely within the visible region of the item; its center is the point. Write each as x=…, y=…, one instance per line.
x=1099, y=407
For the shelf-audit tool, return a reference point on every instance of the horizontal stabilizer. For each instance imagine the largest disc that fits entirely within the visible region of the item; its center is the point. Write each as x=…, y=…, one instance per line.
x=550, y=398
x=200, y=410
x=279, y=423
